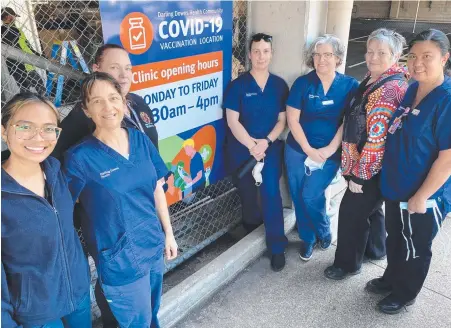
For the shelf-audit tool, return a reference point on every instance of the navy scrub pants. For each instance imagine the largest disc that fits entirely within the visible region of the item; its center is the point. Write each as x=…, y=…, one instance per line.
x=354, y=224
x=269, y=208
x=80, y=318
x=307, y=193
x=409, y=249
x=136, y=305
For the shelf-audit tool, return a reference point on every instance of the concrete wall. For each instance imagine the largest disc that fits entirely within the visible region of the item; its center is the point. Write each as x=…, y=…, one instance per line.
x=371, y=9
x=288, y=37
x=428, y=10
x=293, y=24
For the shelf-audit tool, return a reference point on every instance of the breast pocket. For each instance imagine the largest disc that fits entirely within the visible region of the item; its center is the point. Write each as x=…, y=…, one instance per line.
x=419, y=132
x=251, y=107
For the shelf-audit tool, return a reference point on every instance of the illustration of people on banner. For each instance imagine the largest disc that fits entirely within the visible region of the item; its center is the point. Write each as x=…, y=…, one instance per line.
x=181, y=54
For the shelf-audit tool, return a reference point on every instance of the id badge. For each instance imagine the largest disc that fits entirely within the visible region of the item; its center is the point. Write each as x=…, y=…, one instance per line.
x=328, y=102
x=395, y=125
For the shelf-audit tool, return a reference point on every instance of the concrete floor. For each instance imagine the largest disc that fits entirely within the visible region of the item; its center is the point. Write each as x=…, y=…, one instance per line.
x=300, y=296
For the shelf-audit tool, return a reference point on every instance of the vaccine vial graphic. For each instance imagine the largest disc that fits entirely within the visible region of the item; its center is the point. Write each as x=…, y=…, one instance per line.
x=137, y=33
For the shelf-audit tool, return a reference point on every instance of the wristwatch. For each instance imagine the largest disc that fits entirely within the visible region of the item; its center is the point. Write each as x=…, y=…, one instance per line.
x=269, y=141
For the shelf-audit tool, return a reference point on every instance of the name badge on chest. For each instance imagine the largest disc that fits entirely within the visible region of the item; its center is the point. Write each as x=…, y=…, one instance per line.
x=327, y=102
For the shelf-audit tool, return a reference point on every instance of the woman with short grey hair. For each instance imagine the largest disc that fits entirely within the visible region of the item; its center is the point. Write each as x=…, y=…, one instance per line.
x=394, y=41
x=364, y=135
x=337, y=47
x=315, y=109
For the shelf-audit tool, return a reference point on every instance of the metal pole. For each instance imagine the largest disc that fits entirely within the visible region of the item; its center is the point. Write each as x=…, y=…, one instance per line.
x=248, y=32
x=41, y=62
x=416, y=16
x=397, y=11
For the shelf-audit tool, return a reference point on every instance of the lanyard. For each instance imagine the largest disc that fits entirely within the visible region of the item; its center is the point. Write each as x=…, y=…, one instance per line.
x=135, y=120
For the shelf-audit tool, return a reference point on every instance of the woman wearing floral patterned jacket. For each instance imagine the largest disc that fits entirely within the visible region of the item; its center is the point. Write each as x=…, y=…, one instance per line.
x=364, y=135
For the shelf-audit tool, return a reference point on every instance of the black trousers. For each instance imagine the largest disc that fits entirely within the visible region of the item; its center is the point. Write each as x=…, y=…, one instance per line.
x=354, y=225
x=409, y=252
x=376, y=244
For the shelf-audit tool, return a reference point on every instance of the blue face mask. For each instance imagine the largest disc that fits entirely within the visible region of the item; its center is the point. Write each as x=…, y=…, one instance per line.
x=310, y=166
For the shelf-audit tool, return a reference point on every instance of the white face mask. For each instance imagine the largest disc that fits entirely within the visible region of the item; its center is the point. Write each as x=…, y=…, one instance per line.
x=257, y=173
x=310, y=166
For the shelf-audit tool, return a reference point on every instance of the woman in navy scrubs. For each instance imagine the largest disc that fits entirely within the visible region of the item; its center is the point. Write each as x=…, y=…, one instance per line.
x=115, y=174
x=45, y=275
x=255, y=107
x=364, y=135
x=315, y=109
x=415, y=172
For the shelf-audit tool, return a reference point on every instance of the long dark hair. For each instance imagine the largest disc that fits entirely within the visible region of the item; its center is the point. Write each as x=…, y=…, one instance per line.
x=440, y=39
x=22, y=99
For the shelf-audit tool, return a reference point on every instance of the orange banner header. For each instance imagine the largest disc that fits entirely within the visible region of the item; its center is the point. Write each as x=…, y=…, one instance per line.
x=174, y=70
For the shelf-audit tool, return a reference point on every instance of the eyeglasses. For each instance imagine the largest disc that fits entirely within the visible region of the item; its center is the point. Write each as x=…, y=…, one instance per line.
x=261, y=36
x=327, y=55
x=28, y=132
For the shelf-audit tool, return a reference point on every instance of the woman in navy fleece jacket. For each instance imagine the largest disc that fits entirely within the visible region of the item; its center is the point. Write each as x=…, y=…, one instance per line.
x=45, y=275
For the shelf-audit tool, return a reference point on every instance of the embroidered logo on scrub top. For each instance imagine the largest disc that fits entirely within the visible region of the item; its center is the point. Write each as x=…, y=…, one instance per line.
x=250, y=94
x=107, y=173
x=146, y=119
x=312, y=96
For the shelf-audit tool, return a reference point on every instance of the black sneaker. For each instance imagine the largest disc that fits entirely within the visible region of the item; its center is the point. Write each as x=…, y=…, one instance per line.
x=335, y=273
x=325, y=243
x=306, y=251
x=278, y=262
x=378, y=286
x=392, y=305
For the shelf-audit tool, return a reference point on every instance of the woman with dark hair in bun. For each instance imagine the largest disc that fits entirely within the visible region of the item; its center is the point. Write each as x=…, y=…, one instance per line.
x=416, y=172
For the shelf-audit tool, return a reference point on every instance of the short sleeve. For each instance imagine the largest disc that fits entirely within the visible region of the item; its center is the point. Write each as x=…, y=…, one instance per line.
x=75, y=176
x=442, y=130
x=351, y=92
x=284, y=91
x=295, y=96
x=76, y=126
x=232, y=98
x=158, y=163
x=353, y=89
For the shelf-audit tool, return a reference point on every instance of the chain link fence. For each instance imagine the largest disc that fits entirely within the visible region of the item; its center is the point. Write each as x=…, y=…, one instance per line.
x=50, y=48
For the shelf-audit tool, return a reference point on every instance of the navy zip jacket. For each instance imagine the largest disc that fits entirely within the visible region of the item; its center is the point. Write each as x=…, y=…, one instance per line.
x=45, y=274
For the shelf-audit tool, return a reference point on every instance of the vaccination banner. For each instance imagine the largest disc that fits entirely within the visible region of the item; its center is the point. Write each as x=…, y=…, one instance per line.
x=181, y=53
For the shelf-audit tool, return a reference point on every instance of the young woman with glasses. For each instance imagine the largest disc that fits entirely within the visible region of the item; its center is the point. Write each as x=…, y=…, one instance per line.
x=45, y=275
x=255, y=108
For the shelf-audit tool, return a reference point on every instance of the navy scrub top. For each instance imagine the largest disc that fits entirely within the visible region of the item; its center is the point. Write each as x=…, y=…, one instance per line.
x=259, y=110
x=412, y=149
x=121, y=226
x=321, y=114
